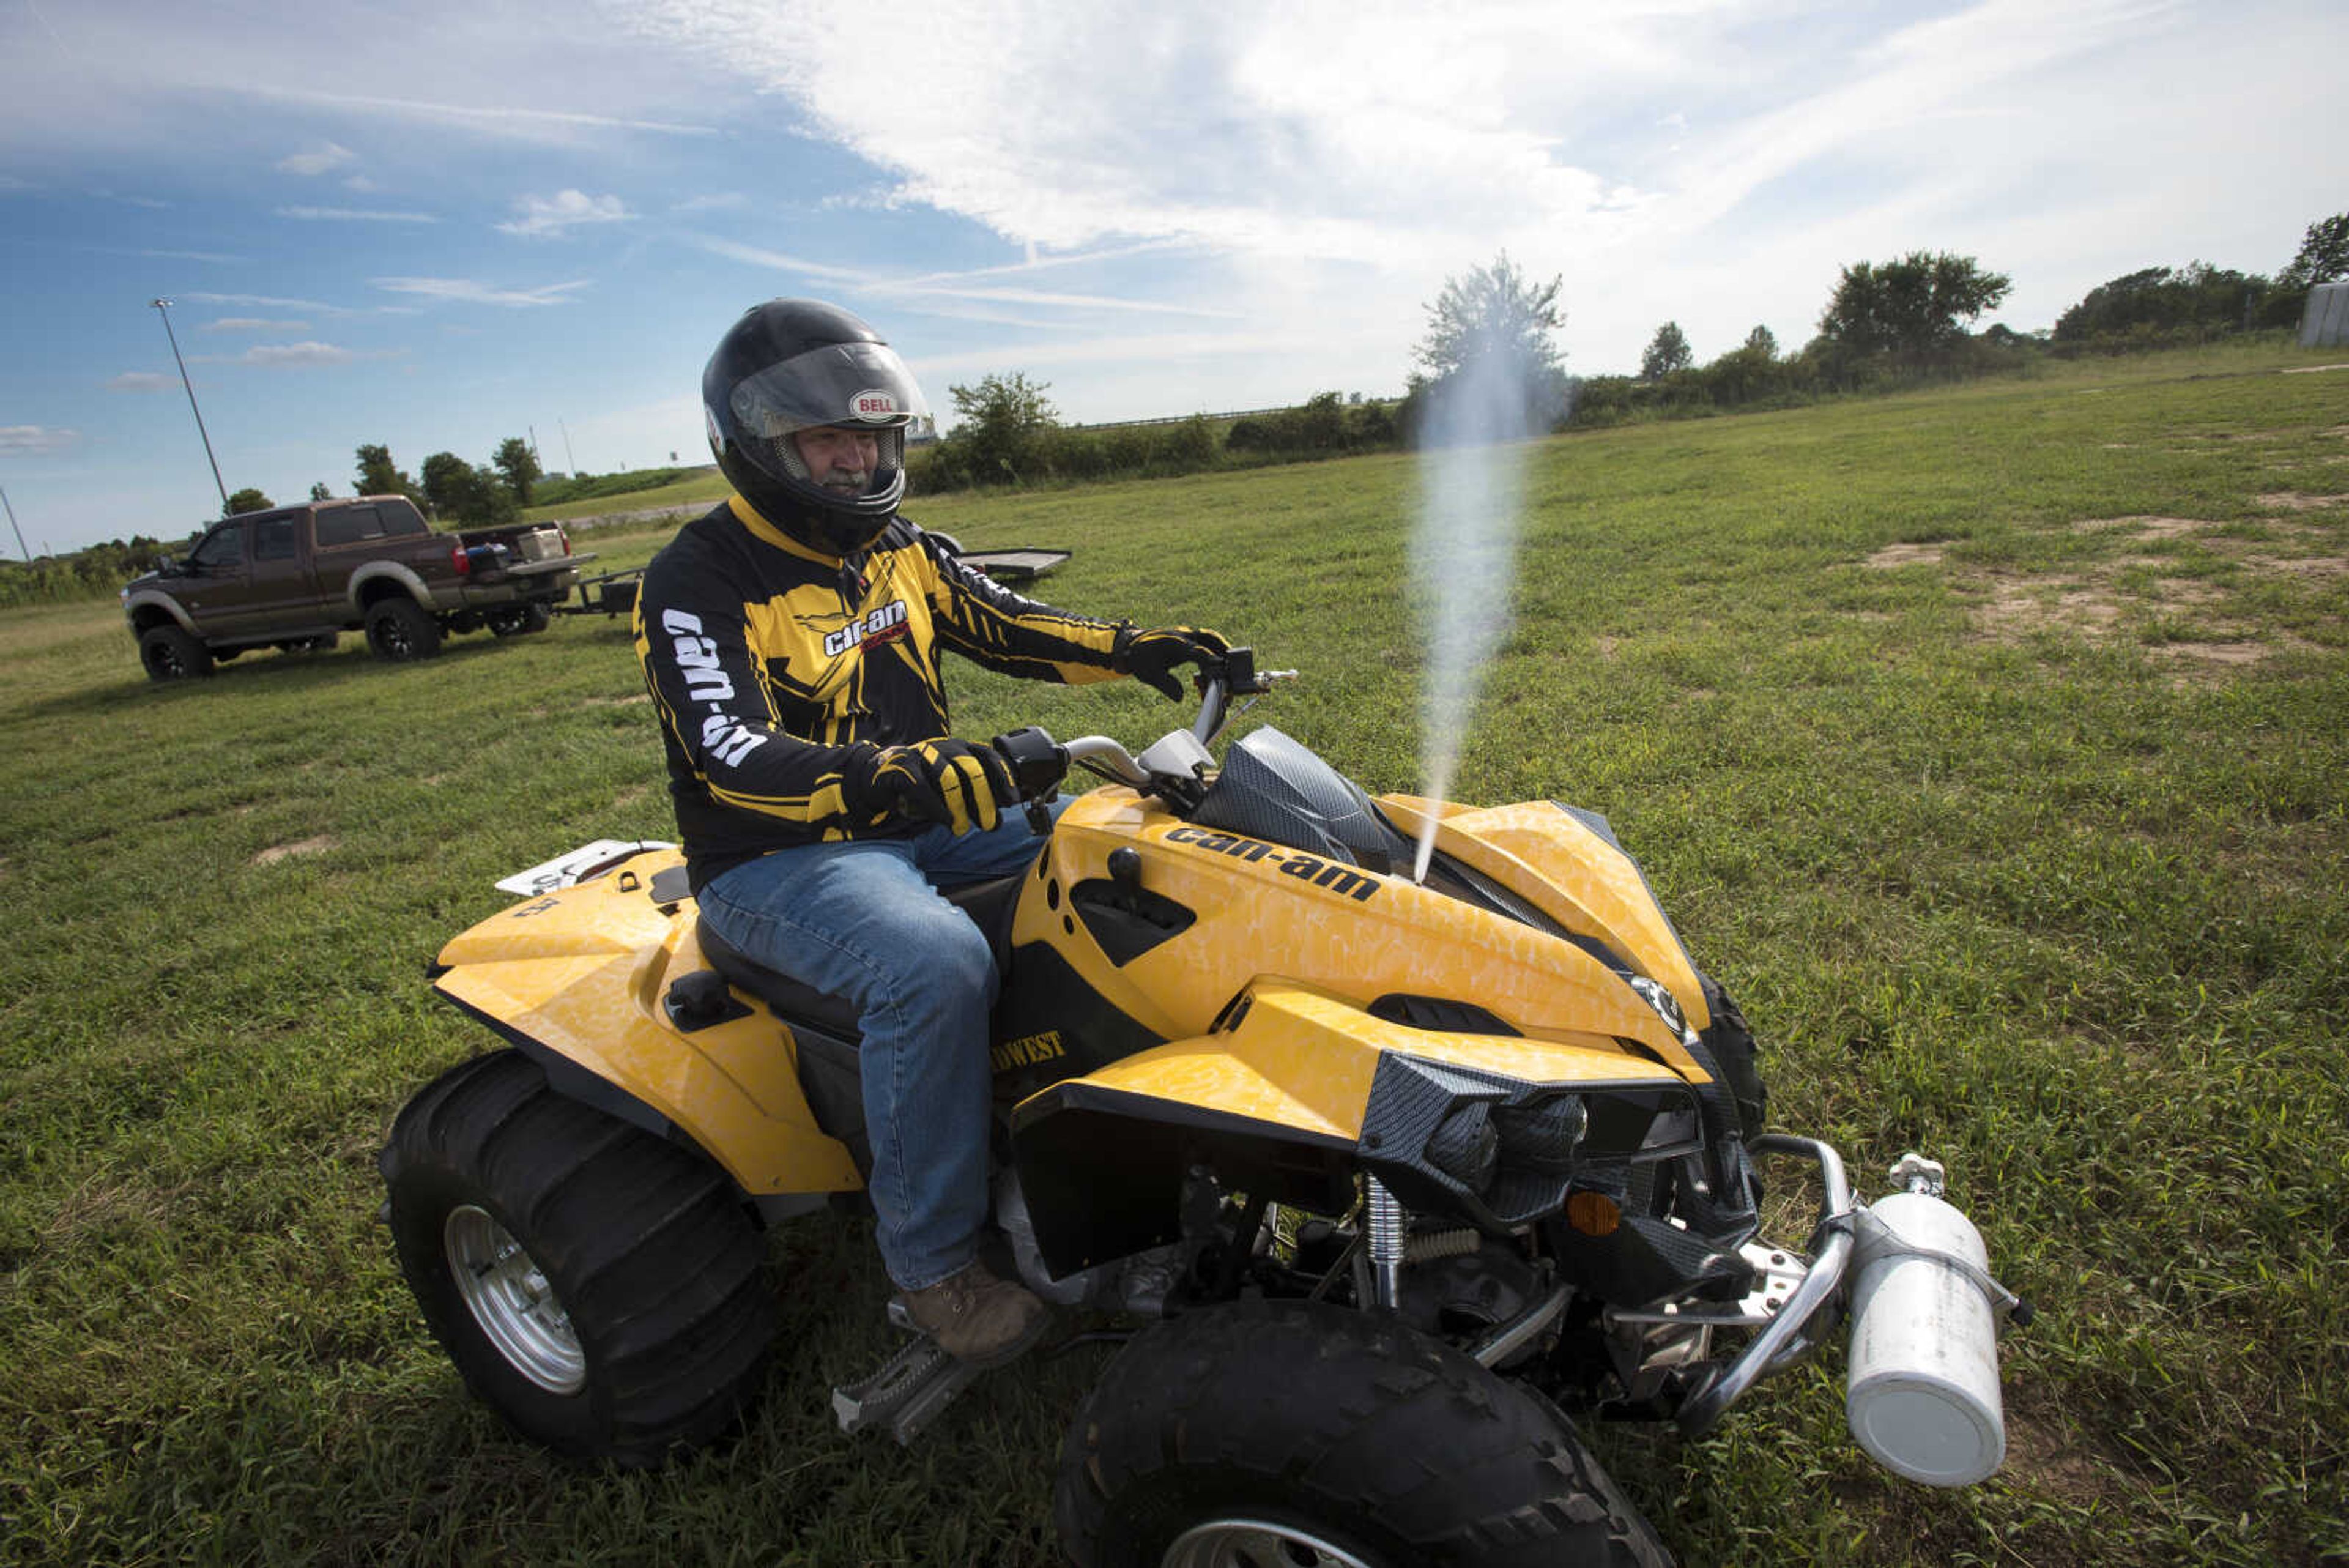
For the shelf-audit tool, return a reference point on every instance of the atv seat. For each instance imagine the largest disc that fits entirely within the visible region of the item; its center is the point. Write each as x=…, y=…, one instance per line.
x=988, y=904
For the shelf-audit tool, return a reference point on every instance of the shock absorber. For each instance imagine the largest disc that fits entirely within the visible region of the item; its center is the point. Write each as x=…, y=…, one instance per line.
x=1387, y=1241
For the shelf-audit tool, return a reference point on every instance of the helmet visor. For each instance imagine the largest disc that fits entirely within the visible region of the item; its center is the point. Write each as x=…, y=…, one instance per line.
x=855, y=386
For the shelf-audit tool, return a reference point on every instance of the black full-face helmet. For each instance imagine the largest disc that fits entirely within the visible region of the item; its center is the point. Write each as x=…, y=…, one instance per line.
x=792, y=365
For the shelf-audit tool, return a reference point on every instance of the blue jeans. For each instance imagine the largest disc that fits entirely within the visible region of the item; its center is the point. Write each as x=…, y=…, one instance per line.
x=862, y=919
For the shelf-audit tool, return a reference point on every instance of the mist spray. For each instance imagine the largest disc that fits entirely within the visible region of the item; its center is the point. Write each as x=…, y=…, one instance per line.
x=1472, y=473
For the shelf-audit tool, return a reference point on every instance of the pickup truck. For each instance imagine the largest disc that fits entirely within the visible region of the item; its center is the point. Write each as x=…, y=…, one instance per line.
x=295, y=577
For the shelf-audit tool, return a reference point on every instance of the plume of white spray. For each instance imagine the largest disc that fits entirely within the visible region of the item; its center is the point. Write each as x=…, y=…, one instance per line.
x=1471, y=473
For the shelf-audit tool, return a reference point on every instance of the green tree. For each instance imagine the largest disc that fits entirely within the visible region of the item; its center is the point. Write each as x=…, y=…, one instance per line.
x=318, y=492
x=445, y=474
x=466, y=493
x=1761, y=341
x=2155, y=302
x=1667, y=351
x=1003, y=420
x=378, y=477
x=1496, y=320
x=1911, y=311
x=2324, y=254
x=246, y=500
x=518, y=465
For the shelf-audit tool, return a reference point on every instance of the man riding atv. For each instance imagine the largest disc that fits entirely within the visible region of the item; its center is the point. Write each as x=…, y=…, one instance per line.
x=791, y=640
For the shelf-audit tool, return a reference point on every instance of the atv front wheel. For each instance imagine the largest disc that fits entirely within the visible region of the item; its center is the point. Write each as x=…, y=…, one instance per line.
x=1292, y=1432
x=598, y=1288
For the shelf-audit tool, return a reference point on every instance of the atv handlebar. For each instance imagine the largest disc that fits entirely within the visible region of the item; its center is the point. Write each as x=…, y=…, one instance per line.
x=1038, y=763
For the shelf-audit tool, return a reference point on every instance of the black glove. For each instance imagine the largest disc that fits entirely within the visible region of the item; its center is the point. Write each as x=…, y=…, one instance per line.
x=1150, y=656
x=943, y=781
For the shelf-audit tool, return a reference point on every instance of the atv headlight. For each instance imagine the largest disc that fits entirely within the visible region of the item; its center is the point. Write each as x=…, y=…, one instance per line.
x=1499, y=1151
x=1668, y=1007
x=1543, y=1135
x=1465, y=1146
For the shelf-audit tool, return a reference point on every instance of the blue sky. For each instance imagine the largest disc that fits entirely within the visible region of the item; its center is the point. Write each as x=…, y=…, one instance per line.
x=435, y=226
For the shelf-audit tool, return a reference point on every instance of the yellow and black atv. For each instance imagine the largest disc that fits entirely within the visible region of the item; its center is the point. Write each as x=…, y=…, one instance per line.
x=1392, y=1166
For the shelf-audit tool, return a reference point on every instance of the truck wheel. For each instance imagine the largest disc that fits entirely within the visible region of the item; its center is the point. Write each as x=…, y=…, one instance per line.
x=401, y=629
x=170, y=654
x=1293, y=1432
x=514, y=620
x=601, y=1289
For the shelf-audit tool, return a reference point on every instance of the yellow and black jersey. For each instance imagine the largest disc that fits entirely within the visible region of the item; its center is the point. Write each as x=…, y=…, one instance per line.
x=772, y=664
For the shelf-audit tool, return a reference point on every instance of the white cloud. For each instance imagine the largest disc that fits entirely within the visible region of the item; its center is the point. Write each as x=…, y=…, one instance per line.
x=36, y=441
x=553, y=216
x=716, y=201
x=466, y=291
x=318, y=161
x=141, y=381
x=353, y=215
x=494, y=119
x=251, y=324
x=361, y=183
x=267, y=301
x=296, y=356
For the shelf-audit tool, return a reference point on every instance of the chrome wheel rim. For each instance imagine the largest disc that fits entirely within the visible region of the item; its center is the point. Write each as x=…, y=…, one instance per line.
x=508, y=1294
x=1256, y=1544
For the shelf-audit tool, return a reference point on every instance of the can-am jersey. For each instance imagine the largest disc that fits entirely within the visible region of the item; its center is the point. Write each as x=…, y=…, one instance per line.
x=770, y=664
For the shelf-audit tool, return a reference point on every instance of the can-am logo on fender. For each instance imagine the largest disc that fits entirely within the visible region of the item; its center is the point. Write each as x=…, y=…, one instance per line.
x=873, y=403
x=887, y=624
x=1357, y=886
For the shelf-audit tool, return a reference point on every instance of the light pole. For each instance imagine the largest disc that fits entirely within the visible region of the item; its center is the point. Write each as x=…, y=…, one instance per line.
x=12, y=523
x=164, y=306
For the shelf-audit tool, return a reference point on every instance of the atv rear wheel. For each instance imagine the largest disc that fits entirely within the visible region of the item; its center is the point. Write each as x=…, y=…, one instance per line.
x=600, y=1289
x=1291, y=1432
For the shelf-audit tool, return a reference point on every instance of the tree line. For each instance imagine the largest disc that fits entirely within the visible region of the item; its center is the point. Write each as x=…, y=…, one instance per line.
x=1886, y=324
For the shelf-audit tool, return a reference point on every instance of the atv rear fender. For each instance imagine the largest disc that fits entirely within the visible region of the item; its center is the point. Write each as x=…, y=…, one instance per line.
x=1283, y=1099
x=577, y=980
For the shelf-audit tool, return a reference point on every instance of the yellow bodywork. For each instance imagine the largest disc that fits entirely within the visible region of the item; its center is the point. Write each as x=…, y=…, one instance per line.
x=1259, y=918
x=1302, y=1058
x=583, y=971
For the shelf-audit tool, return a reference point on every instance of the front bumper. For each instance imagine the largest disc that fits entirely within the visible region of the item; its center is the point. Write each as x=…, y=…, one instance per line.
x=1797, y=1326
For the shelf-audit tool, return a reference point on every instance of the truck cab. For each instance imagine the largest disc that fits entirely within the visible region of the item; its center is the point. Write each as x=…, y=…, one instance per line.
x=295, y=577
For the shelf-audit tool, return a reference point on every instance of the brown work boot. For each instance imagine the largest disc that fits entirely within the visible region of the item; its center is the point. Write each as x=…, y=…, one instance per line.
x=978, y=1318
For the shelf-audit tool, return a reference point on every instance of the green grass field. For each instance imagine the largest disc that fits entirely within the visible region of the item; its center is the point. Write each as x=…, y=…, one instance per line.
x=1989, y=743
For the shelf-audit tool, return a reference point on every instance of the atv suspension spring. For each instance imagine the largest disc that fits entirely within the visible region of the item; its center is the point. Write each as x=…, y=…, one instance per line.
x=1389, y=1229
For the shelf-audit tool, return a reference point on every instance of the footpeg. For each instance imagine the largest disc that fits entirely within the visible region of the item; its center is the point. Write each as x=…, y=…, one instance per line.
x=908, y=1391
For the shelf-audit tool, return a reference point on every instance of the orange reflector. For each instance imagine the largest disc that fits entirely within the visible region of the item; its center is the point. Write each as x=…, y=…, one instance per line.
x=1593, y=1213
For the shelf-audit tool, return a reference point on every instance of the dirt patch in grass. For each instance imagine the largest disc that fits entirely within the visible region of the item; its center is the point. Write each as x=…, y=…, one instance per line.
x=2017, y=606
x=2042, y=1457
x=2298, y=501
x=276, y=852
x=2143, y=527
x=2322, y=568
x=2097, y=600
